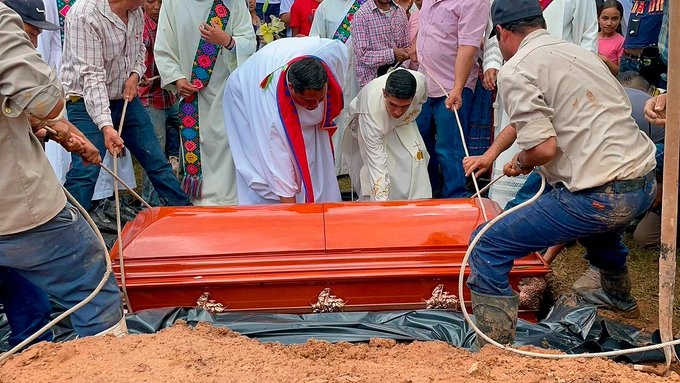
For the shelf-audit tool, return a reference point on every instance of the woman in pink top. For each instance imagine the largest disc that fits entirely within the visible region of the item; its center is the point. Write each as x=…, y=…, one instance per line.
x=610, y=47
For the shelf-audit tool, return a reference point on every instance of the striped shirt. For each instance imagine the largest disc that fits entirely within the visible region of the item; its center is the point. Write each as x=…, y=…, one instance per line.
x=376, y=33
x=100, y=53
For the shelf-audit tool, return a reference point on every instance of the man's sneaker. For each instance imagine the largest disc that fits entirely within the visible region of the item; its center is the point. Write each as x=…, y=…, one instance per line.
x=589, y=280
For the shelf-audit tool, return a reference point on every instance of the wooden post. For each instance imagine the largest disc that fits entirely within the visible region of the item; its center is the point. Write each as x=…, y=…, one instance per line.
x=669, y=210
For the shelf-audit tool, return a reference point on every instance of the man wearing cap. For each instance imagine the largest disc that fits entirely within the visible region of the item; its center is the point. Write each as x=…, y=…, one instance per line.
x=32, y=13
x=43, y=238
x=574, y=125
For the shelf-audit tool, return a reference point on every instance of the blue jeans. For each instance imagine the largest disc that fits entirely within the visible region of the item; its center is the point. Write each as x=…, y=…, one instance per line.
x=27, y=307
x=627, y=64
x=529, y=188
x=140, y=139
x=166, y=127
x=594, y=217
x=439, y=130
x=64, y=258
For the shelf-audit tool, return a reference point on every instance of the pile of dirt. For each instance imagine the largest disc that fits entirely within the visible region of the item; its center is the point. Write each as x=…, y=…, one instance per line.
x=207, y=354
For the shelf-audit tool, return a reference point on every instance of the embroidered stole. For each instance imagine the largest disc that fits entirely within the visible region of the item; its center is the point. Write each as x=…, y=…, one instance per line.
x=291, y=121
x=544, y=4
x=343, y=31
x=204, y=63
x=63, y=6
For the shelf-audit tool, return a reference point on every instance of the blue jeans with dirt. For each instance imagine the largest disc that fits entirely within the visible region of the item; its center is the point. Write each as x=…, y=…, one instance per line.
x=595, y=217
x=26, y=306
x=65, y=259
x=439, y=129
x=139, y=138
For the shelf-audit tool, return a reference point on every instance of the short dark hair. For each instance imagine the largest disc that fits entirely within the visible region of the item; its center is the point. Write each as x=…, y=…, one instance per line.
x=401, y=84
x=633, y=79
x=522, y=26
x=307, y=74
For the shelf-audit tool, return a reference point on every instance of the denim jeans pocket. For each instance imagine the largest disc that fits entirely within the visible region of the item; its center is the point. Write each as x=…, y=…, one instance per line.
x=68, y=214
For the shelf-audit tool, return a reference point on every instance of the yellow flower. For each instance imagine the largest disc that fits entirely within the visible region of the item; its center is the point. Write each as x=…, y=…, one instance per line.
x=269, y=30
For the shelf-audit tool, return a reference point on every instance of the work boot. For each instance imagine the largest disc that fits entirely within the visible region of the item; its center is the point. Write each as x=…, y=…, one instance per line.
x=614, y=294
x=118, y=330
x=496, y=317
x=589, y=280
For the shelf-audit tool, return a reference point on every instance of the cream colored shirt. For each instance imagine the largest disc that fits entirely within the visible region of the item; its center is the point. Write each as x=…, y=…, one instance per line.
x=30, y=193
x=552, y=88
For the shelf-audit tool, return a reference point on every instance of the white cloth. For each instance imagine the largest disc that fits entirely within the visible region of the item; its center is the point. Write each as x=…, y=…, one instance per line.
x=393, y=157
x=125, y=170
x=265, y=166
x=49, y=46
x=327, y=19
x=571, y=20
x=175, y=49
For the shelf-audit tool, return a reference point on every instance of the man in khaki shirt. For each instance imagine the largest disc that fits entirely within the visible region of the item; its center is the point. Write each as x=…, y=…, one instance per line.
x=42, y=237
x=573, y=119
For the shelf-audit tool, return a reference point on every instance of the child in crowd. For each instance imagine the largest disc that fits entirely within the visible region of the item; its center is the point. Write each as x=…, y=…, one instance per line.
x=610, y=48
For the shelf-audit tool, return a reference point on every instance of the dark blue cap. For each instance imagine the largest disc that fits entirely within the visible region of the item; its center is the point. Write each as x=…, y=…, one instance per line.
x=32, y=12
x=507, y=11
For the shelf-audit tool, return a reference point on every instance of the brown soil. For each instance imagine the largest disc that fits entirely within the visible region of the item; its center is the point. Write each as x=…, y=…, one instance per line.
x=208, y=354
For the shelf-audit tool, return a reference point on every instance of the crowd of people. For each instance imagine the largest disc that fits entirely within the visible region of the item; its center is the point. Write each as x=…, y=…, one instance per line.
x=390, y=93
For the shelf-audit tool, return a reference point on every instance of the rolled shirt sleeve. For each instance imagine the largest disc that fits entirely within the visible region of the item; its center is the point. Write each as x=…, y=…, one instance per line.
x=525, y=104
x=472, y=23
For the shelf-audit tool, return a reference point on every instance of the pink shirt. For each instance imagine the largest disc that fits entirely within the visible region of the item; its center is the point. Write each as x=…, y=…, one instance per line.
x=444, y=25
x=611, y=47
x=413, y=23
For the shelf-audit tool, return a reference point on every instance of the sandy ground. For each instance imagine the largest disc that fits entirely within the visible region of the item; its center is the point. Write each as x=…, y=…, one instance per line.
x=208, y=354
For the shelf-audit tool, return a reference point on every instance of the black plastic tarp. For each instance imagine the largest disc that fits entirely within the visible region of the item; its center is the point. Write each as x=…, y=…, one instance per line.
x=571, y=326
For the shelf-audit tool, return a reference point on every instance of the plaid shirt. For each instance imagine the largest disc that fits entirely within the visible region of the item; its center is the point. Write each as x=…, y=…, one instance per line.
x=153, y=95
x=100, y=53
x=375, y=34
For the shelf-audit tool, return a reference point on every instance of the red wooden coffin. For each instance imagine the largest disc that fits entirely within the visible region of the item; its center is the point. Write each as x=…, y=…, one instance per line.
x=300, y=258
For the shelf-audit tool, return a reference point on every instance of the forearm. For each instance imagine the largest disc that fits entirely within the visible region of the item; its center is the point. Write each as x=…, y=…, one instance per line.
x=538, y=155
x=465, y=60
x=503, y=142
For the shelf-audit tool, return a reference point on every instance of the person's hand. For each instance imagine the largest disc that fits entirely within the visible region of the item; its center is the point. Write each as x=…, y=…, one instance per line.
x=144, y=81
x=130, y=89
x=510, y=169
x=185, y=88
x=287, y=199
x=213, y=34
x=477, y=164
x=454, y=100
x=62, y=133
x=413, y=54
x=490, y=76
x=112, y=141
x=88, y=152
x=400, y=54
x=655, y=110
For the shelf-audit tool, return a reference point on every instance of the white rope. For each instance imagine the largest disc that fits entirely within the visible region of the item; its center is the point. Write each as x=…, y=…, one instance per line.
x=85, y=301
x=118, y=224
x=462, y=138
x=532, y=354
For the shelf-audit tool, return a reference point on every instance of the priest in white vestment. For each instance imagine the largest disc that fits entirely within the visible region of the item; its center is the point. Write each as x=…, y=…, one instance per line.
x=180, y=27
x=332, y=20
x=279, y=109
x=393, y=156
